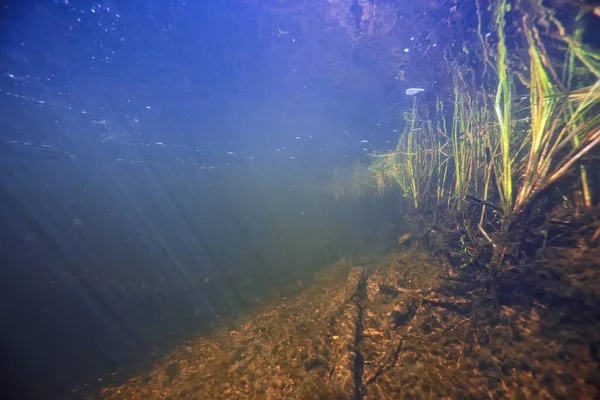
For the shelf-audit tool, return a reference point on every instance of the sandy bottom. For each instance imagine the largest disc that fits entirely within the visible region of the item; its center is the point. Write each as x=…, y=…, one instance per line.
x=406, y=327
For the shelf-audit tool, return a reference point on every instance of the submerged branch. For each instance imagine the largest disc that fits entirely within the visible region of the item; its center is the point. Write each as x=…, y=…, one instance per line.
x=480, y=201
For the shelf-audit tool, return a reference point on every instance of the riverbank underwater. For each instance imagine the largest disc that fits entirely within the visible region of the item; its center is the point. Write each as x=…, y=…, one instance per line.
x=491, y=288
x=402, y=327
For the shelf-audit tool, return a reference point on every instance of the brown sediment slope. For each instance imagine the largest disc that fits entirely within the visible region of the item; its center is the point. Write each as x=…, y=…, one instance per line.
x=400, y=329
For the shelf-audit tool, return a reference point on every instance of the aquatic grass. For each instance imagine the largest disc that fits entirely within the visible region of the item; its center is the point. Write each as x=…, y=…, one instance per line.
x=470, y=124
x=502, y=106
x=442, y=158
x=484, y=44
x=568, y=74
x=557, y=119
x=589, y=58
x=584, y=124
x=419, y=165
x=489, y=148
x=543, y=102
x=459, y=123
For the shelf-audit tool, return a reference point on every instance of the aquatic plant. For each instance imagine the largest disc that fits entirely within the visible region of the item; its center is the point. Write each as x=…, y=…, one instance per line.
x=502, y=106
x=525, y=112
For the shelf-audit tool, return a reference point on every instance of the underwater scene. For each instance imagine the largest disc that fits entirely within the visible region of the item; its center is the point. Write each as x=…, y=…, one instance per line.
x=299, y=199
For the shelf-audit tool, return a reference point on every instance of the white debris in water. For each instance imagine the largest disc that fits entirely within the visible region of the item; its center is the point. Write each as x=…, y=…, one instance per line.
x=413, y=91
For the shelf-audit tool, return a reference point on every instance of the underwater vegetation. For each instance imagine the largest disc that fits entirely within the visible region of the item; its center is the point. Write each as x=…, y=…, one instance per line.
x=516, y=133
x=468, y=269
x=496, y=161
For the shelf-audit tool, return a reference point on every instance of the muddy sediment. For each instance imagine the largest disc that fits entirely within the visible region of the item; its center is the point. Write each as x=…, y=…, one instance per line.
x=400, y=328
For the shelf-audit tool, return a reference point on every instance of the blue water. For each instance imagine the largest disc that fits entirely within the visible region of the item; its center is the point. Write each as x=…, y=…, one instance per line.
x=165, y=163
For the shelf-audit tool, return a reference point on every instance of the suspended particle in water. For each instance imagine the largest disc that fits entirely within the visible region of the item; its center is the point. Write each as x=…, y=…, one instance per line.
x=413, y=91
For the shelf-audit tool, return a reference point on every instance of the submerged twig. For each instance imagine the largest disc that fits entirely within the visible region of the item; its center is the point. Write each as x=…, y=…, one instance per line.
x=480, y=201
